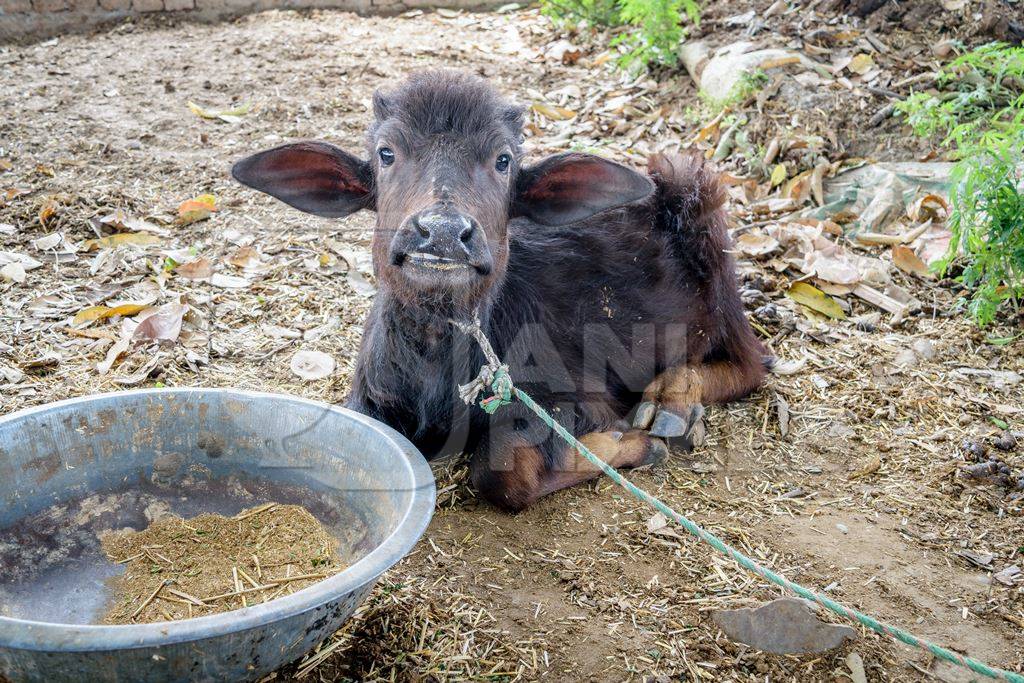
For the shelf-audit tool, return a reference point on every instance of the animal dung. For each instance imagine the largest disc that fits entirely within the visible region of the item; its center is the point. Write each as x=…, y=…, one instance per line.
x=179, y=569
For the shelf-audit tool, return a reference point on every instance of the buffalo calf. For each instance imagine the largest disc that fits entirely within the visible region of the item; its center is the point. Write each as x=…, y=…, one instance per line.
x=609, y=292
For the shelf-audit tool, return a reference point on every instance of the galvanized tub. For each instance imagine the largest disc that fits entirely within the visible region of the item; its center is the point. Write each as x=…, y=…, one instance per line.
x=73, y=469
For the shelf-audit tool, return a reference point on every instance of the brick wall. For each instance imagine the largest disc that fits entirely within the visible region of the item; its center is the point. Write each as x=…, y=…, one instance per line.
x=29, y=20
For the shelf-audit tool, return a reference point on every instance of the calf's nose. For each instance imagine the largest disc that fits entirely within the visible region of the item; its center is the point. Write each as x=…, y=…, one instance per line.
x=447, y=233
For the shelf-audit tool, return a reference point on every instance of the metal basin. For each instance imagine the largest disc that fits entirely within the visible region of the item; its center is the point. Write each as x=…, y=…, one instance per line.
x=73, y=469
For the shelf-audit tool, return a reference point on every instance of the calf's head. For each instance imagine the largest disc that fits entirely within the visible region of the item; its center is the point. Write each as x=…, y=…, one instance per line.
x=444, y=173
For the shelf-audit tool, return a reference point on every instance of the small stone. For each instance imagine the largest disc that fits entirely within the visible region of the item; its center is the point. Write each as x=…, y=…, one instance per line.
x=843, y=528
x=783, y=626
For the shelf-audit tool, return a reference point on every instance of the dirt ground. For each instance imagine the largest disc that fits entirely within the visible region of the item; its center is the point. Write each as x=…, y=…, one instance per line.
x=841, y=473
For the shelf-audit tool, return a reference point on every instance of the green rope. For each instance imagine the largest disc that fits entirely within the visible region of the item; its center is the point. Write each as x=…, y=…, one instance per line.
x=504, y=390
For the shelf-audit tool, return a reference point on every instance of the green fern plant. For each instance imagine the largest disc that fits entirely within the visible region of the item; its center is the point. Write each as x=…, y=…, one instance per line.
x=981, y=121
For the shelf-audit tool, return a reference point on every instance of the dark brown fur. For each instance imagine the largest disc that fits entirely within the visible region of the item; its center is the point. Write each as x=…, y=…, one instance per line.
x=589, y=315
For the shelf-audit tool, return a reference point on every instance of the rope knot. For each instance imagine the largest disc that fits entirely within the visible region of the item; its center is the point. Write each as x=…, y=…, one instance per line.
x=493, y=374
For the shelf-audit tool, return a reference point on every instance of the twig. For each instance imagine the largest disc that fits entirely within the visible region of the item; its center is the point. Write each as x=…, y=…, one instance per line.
x=151, y=598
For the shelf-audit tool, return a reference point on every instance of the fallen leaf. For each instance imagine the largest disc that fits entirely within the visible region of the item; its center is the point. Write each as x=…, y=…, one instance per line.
x=233, y=115
x=657, y=521
x=142, y=374
x=11, y=375
x=48, y=242
x=162, y=325
x=13, y=272
x=200, y=269
x=831, y=268
x=563, y=51
x=861, y=64
x=26, y=262
x=120, y=220
x=229, y=281
x=909, y=262
x=755, y=243
x=244, y=257
x=13, y=193
x=196, y=209
x=783, y=626
x=551, y=112
x=815, y=299
x=788, y=367
x=778, y=174
x=312, y=365
x=47, y=211
x=113, y=353
x=929, y=207
x=136, y=239
x=101, y=312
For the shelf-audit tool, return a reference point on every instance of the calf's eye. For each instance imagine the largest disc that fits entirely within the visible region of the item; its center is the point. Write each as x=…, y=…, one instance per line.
x=387, y=156
x=502, y=163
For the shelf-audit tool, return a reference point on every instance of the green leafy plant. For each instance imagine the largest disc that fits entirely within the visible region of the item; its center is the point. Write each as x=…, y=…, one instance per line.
x=655, y=27
x=981, y=120
x=594, y=12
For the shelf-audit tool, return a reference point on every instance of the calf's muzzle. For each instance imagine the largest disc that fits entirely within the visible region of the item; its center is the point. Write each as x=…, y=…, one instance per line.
x=441, y=239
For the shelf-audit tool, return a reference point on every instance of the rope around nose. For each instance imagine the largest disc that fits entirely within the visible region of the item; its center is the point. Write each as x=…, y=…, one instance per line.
x=494, y=376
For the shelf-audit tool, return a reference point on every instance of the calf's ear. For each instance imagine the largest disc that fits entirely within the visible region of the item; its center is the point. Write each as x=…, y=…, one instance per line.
x=569, y=187
x=314, y=177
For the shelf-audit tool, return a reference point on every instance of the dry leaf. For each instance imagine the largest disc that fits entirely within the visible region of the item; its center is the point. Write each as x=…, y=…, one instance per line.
x=47, y=211
x=113, y=353
x=142, y=374
x=778, y=175
x=119, y=220
x=909, y=262
x=755, y=243
x=200, y=269
x=229, y=281
x=312, y=365
x=930, y=207
x=101, y=312
x=861, y=64
x=196, y=209
x=48, y=242
x=164, y=324
x=551, y=112
x=815, y=299
x=13, y=272
x=244, y=257
x=136, y=239
x=233, y=115
x=788, y=367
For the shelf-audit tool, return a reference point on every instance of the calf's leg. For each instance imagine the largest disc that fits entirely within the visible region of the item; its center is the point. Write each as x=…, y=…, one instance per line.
x=673, y=404
x=514, y=475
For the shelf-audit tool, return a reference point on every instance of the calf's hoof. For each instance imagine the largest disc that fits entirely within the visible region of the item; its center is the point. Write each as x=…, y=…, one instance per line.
x=644, y=415
x=680, y=431
x=657, y=452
